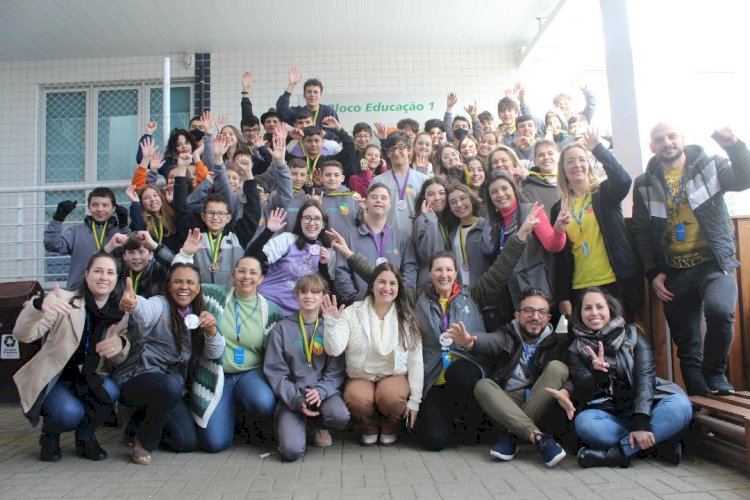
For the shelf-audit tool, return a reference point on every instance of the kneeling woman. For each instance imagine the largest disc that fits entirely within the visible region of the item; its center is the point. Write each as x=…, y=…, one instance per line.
x=173, y=331
x=305, y=379
x=383, y=348
x=626, y=408
x=67, y=381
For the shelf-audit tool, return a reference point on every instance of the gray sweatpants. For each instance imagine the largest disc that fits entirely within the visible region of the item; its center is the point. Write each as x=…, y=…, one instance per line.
x=291, y=425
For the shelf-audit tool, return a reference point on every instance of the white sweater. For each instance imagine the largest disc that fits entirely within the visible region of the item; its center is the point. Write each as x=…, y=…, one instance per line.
x=351, y=333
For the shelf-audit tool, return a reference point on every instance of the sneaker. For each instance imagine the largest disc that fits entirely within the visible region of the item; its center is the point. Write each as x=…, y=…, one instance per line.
x=669, y=452
x=388, y=439
x=369, y=439
x=322, y=438
x=505, y=447
x=548, y=449
x=719, y=385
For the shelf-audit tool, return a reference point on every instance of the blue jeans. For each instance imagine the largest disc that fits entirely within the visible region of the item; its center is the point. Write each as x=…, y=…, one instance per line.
x=602, y=430
x=64, y=411
x=247, y=389
x=706, y=285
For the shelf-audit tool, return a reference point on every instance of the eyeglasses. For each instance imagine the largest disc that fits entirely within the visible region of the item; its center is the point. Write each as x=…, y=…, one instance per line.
x=453, y=155
x=400, y=148
x=309, y=219
x=530, y=311
x=455, y=201
x=211, y=214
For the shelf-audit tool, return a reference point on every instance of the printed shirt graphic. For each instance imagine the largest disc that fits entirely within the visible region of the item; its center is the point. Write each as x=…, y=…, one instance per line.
x=693, y=249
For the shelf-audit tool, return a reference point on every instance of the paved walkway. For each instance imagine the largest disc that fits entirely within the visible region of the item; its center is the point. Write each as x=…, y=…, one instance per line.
x=345, y=470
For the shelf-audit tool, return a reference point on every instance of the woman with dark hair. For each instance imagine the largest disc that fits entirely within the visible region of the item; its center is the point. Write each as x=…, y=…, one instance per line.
x=626, y=408
x=150, y=211
x=67, y=382
x=475, y=175
x=291, y=255
x=599, y=251
x=465, y=226
x=430, y=232
x=173, y=333
x=383, y=347
x=506, y=209
x=449, y=163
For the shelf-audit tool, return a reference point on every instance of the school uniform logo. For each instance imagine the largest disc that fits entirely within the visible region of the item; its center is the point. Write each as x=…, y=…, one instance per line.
x=344, y=208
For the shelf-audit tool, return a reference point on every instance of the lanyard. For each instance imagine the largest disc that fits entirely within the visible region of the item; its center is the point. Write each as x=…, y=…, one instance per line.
x=159, y=232
x=99, y=238
x=87, y=333
x=529, y=351
x=338, y=193
x=315, y=120
x=579, y=221
x=308, y=345
x=446, y=238
x=466, y=177
x=188, y=310
x=677, y=200
x=501, y=239
x=310, y=169
x=136, y=280
x=215, y=246
x=379, y=245
x=401, y=190
x=237, y=322
x=461, y=240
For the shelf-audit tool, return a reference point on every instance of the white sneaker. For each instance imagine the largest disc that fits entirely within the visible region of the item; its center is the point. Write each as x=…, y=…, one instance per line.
x=369, y=439
x=322, y=438
x=388, y=439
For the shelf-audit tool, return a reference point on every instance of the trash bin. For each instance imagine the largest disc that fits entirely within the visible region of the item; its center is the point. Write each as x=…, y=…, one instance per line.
x=13, y=354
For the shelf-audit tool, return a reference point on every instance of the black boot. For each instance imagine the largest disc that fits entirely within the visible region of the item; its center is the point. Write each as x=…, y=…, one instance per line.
x=50, y=451
x=669, y=452
x=90, y=449
x=612, y=457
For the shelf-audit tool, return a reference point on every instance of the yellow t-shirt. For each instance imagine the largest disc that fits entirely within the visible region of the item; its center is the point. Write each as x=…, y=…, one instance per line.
x=441, y=377
x=684, y=242
x=592, y=267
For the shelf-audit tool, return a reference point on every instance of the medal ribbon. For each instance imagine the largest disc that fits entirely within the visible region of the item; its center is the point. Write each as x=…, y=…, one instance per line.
x=338, y=193
x=99, y=238
x=379, y=245
x=159, y=235
x=401, y=190
x=461, y=240
x=136, y=280
x=305, y=343
x=310, y=169
x=215, y=246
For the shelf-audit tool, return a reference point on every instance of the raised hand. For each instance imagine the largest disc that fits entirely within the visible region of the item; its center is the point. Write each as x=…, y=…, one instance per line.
x=245, y=164
x=247, y=81
x=131, y=193
x=151, y=127
x=197, y=152
x=219, y=146
x=460, y=335
x=111, y=345
x=184, y=159
x=207, y=120
x=598, y=362
x=520, y=92
x=276, y=220
x=156, y=161
x=54, y=304
x=169, y=194
x=332, y=123
x=338, y=243
x=422, y=159
x=563, y=399
x=563, y=218
x=295, y=76
x=117, y=240
x=471, y=110
x=221, y=122
x=531, y=221
x=724, y=137
x=591, y=138
x=330, y=308
x=208, y=323
x=148, y=147
x=426, y=207
x=325, y=255
x=193, y=242
x=147, y=240
x=129, y=299
x=380, y=131
x=451, y=100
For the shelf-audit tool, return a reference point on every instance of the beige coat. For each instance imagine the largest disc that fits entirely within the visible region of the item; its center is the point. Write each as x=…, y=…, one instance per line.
x=63, y=335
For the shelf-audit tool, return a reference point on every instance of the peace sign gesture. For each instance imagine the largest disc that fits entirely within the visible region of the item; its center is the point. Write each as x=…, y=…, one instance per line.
x=597, y=359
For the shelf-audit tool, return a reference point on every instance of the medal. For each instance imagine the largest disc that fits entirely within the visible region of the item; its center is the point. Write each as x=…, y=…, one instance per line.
x=192, y=321
x=309, y=365
x=309, y=183
x=380, y=260
x=315, y=249
x=356, y=196
x=213, y=267
x=401, y=204
x=445, y=340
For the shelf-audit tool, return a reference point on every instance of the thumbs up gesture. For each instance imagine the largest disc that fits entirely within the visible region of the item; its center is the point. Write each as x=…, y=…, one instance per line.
x=54, y=304
x=111, y=345
x=129, y=298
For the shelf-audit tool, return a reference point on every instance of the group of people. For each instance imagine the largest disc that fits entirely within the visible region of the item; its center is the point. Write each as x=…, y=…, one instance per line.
x=302, y=275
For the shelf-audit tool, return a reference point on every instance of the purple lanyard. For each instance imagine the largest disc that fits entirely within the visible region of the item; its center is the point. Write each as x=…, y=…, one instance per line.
x=401, y=190
x=379, y=246
x=444, y=318
x=188, y=311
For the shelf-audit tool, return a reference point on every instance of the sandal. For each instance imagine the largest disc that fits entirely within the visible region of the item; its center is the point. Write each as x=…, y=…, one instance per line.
x=140, y=455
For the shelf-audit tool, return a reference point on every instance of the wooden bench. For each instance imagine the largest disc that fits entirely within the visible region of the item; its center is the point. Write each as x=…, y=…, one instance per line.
x=723, y=426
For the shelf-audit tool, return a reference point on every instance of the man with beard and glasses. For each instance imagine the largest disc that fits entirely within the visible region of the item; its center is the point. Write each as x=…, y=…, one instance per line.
x=528, y=377
x=684, y=237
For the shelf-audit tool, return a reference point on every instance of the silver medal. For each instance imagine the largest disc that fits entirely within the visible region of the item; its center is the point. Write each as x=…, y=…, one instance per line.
x=315, y=249
x=192, y=321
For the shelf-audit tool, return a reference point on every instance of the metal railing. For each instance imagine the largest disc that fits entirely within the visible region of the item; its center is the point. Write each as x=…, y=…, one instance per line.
x=24, y=214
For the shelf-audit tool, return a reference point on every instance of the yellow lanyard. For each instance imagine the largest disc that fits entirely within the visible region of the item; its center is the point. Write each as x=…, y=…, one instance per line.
x=315, y=120
x=307, y=344
x=99, y=238
x=314, y=166
x=159, y=232
x=215, y=246
x=467, y=177
x=464, y=255
x=339, y=193
x=136, y=280
x=444, y=233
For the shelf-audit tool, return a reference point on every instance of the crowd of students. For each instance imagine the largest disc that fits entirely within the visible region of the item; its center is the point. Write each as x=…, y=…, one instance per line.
x=303, y=275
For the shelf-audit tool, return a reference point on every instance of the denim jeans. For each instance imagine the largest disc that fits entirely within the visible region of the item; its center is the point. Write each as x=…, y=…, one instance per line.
x=249, y=390
x=708, y=285
x=64, y=411
x=602, y=430
x=153, y=395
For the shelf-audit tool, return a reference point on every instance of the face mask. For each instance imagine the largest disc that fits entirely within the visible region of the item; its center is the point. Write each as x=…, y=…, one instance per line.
x=197, y=134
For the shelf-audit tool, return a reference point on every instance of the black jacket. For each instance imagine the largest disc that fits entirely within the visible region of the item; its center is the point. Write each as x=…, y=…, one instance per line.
x=607, y=205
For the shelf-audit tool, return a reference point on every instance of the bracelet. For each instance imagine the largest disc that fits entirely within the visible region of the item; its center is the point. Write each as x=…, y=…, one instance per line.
x=244, y=93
